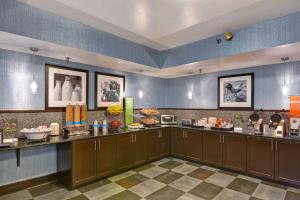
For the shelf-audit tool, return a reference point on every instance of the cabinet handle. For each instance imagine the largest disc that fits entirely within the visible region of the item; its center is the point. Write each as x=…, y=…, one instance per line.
x=183, y=133
x=276, y=146
x=272, y=145
x=95, y=145
x=132, y=138
x=220, y=139
x=223, y=139
x=99, y=143
x=135, y=138
x=186, y=135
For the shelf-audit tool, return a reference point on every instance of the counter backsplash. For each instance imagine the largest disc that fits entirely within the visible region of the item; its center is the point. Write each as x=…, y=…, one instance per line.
x=28, y=120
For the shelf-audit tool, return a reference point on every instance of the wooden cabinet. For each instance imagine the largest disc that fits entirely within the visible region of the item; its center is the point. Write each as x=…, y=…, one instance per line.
x=163, y=142
x=287, y=161
x=212, y=148
x=140, y=148
x=234, y=152
x=158, y=143
x=106, y=155
x=125, y=151
x=260, y=156
x=193, y=144
x=178, y=142
x=84, y=159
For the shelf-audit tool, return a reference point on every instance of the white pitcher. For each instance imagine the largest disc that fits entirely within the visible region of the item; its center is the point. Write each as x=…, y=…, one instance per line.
x=67, y=89
x=57, y=91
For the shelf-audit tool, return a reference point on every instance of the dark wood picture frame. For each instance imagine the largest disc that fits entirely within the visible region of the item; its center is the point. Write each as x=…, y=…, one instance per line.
x=96, y=87
x=49, y=65
x=252, y=92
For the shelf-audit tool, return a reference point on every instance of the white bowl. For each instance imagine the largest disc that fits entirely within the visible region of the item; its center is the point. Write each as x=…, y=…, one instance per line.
x=37, y=135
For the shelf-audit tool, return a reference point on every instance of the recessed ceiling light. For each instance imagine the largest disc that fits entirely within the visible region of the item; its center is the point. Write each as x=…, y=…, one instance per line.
x=190, y=73
x=141, y=70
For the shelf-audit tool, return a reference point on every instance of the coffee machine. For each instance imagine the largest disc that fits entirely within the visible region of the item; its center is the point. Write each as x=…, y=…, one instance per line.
x=277, y=125
x=295, y=126
x=256, y=123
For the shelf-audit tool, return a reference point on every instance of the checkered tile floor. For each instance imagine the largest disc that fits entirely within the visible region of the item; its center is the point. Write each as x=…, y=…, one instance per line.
x=166, y=179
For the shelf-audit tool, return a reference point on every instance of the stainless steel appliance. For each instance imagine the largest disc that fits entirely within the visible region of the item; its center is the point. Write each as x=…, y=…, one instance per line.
x=187, y=122
x=256, y=123
x=277, y=125
x=168, y=119
x=295, y=127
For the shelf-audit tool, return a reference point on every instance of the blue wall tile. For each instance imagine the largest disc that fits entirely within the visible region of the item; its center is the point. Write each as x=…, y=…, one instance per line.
x=17, y=69
x=271, y=33
x=37, y=161
x=267, y=87
x=22, y=19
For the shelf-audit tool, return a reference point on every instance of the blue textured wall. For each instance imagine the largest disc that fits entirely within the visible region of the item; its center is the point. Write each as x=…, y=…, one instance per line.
x=271, y=33
x=21, y=19
x=34, y=162
x=267, y=87
x=16, y=72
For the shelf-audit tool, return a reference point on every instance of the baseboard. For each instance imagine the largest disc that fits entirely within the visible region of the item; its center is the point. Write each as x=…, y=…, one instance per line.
x=14, y=187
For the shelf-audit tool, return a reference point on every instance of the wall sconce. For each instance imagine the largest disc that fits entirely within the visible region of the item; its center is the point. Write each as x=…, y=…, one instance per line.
x=141, y=94
x=190, y=95
x=33, y=85
x=285, y=89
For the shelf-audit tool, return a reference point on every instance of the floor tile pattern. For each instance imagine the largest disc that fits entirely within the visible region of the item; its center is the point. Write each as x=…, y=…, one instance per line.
x=166, y=179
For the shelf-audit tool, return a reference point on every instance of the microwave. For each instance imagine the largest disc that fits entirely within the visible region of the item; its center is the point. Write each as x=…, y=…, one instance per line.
x=168, y=119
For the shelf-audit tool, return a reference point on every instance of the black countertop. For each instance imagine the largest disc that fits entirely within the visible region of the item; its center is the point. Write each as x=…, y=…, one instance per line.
x=23, y=143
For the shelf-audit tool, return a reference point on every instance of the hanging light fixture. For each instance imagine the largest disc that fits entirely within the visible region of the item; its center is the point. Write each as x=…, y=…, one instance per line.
x=285, y=88
x=33, y=85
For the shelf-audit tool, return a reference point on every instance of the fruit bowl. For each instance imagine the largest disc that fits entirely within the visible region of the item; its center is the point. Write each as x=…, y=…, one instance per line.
x=36, y=134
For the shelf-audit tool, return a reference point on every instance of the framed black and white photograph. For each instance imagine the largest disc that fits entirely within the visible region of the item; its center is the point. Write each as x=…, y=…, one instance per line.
x=236, y=91
x=65, y=86
x=109, y=89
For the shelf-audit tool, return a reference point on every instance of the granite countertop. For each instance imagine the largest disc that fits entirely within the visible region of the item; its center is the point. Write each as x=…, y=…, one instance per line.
x=24, y=143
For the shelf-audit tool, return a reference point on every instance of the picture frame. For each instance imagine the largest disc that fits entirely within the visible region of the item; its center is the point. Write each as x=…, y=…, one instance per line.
x=236, y=92
x=65, y=85
x=109, y=88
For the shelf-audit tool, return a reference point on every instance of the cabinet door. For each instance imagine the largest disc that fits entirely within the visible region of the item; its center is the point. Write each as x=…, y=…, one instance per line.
x=287, y=161
x=212, y=148
x=125, y=151
x=141, y=149
x=163, y=142
x=260, y=156
x=178, y=142
x=194, y=145
x=106, y=156
x=234, y=152
x=153, y=144
x=84, y=161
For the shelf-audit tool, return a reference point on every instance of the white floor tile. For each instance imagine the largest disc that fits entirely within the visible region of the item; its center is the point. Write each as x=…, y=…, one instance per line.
x=184, y=169
x=104, y=191
x=59, y=194
x=20, y=195
x=153, y=171
x=228, y=194
x=220, y=179
x=185, y=183
x=147, y=187
x=121, y=176
x=268, y=192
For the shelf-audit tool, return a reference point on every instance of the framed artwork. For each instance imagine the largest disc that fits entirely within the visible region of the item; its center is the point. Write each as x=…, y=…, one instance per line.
x=109, y=89
x=65, y=86
x=236, y=92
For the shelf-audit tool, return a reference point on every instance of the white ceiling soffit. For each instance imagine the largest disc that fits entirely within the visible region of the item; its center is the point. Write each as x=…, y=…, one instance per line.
x=256, y=58
x=163, y=24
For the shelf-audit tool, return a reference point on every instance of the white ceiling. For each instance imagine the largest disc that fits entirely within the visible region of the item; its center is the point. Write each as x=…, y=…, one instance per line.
x=256, y=58
x=163, y=24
